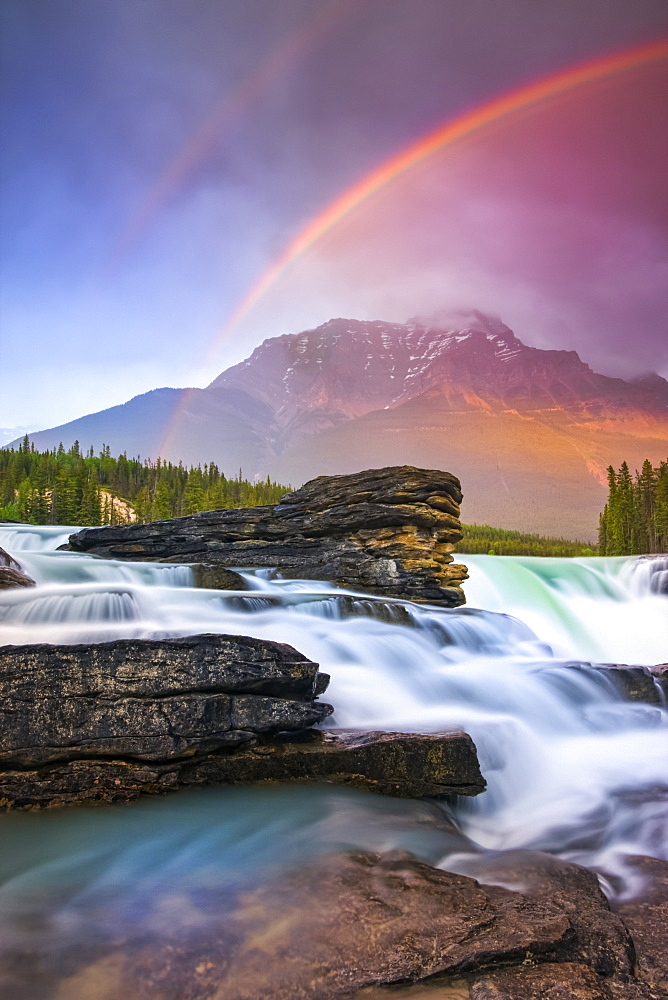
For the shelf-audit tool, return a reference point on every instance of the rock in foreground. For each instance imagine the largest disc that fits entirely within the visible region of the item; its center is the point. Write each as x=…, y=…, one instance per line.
x=385, y=531
x=402, y=764
x=117, y=719
x=140, y=701
x=344, y=924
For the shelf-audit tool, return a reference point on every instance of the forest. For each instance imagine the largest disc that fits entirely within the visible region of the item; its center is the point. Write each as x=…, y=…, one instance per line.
x=635, y=518
x=485, y=540
x=69, y=487
x=76, y=488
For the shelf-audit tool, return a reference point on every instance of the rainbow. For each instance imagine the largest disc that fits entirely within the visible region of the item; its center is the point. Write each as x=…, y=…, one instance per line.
x=397, y=165
x=442, y=136
x=222, y=117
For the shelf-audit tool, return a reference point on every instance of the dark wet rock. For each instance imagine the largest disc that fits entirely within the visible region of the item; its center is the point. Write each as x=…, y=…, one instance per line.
x=600, y=940
x=11, y=573
x=634, y=683
x=212, y=577
x=406, y=764
x=142, y=701
x=660, y=674
x=646, y=917
x=403, y=764
x=386, y=531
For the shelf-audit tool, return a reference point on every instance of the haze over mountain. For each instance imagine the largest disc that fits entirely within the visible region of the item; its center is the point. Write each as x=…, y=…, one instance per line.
x=529, y=432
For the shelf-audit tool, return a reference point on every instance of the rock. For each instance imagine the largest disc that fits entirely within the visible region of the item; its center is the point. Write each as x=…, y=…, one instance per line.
x=11, y=574
x=385, y=531
x=114, y=720
x=212, y=577
x=144, y=701
x=600, y=938
x=14, y=578
x=548, y=981
x=646, y=917
x=345, y=924
x=403, y=764
x=634, y=683
x=660, y=674
x=335, y=925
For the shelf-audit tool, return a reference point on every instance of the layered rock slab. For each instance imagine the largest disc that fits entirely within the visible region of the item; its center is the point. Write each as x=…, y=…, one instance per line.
x=386, y=531
x=113, y=720
x=401, y=764
x=144, y=701
x=410, y=765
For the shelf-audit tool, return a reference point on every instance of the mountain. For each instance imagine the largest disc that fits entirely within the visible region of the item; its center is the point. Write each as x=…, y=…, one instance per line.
x=529, y=432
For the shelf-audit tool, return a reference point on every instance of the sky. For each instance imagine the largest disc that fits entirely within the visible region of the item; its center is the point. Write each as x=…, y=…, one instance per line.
x=159, y=156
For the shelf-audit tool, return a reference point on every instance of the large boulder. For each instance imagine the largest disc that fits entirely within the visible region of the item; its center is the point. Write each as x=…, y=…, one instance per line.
x=113, y=720
x=385, y=531
x=144, y=701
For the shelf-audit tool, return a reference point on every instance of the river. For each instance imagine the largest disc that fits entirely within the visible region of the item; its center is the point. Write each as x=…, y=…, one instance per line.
x=571, y=768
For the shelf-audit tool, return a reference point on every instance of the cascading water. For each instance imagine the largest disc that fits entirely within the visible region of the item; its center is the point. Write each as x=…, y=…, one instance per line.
x=571, y=768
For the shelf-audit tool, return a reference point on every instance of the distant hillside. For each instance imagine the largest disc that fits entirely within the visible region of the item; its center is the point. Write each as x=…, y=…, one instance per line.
x=529, y=432
x=485, y=540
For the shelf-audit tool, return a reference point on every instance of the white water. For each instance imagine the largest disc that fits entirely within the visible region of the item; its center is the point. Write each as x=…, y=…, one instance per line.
x=571, y=768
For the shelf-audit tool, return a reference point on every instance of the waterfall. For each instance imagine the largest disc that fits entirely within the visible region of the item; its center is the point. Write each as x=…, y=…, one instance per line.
x=571, y=768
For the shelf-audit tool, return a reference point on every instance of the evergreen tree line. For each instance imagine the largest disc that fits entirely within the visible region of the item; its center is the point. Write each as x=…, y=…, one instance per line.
x=70, y=487
x=635, y=518
x=485, y=540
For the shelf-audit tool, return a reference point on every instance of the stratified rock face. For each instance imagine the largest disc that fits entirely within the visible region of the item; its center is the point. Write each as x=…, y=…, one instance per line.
x=145, y=700
x=403, y=764
x=410, y=765
x=385, y=531
x=11, y=574
x=114, y=720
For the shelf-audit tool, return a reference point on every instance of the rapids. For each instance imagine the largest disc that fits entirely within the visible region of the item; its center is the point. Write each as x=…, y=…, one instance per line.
x=571, y=768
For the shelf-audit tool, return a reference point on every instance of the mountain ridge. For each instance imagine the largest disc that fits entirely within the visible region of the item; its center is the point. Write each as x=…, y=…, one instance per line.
x=509, y=419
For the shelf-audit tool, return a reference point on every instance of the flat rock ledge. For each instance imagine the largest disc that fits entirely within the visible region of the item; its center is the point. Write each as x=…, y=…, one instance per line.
x=111, y=721
x=386, y=531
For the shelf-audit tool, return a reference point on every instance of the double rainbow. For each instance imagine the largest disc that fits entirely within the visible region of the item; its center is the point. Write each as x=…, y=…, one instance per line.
x=435, y=140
